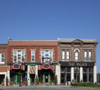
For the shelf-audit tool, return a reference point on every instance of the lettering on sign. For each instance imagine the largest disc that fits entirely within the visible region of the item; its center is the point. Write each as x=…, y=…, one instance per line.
x=16, y=66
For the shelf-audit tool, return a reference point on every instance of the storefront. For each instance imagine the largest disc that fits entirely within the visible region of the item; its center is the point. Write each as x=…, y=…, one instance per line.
x=76, y=72
x=46, y=74
x=18, y=74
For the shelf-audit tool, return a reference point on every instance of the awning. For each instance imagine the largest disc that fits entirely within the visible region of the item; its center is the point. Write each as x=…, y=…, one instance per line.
x=32, y=70
x=42, y=67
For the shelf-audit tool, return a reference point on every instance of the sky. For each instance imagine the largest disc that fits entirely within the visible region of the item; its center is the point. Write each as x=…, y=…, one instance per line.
x=50, y=20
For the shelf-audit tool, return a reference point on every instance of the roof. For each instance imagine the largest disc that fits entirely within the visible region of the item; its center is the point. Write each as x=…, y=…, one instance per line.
x=77, y=40
x=45, y=42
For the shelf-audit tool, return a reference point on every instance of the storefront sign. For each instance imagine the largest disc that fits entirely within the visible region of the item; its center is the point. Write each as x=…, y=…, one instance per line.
x=16, y=66
x=77, y=64
x=46, y=66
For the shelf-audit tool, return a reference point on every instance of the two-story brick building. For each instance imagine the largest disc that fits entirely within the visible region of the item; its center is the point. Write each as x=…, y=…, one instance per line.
x=30, y=58
x=69, y=60
x=78, y=60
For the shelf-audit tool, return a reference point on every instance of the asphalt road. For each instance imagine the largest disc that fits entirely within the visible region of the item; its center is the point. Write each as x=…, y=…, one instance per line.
x=48, y=88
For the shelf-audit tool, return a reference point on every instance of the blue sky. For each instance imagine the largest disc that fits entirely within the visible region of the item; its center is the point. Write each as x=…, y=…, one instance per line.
x=49, y=20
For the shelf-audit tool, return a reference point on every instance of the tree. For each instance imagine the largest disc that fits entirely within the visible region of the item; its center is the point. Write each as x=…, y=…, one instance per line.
x=56, y=80
x=36, y=80
x=6, y=81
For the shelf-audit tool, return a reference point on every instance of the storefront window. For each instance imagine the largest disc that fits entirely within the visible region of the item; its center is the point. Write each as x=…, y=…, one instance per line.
x=84, y=77
x=84, y=69
x=90, y=69
x=68, y=69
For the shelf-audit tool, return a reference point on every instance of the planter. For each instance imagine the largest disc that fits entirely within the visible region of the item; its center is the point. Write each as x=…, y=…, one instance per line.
x=40, y=84
x=52, y=83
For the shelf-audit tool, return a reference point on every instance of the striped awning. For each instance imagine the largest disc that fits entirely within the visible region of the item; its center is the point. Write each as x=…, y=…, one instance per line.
x=32, y=70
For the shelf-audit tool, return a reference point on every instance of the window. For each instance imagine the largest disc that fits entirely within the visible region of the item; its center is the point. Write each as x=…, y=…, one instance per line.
x=46, y=56
x=63, y=55
x=32, y=55
x=2, y=58
x=18, y=56
x=85, y=56
x=76, y=55
x=67, y=55
x=90, y=57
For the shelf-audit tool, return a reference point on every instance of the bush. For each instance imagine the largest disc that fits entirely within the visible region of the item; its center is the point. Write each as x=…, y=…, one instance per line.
x=36, y=80
x=56, y=80
x=85, y=84
x=6, y=81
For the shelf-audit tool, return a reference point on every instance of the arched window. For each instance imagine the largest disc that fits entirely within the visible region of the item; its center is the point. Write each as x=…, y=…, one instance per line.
x=76, y=54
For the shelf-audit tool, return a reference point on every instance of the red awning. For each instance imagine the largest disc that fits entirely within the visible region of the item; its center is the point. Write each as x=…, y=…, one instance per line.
x=11, y=67
x=50, y=67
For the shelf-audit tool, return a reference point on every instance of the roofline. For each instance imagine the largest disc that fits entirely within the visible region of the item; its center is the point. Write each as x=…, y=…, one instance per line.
x=33, y=40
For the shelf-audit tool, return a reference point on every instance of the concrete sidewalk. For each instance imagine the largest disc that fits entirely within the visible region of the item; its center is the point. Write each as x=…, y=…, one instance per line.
x=36, y=86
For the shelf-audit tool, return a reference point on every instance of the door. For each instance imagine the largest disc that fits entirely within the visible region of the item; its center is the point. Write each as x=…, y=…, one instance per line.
x=1, y=79
x=46, y=77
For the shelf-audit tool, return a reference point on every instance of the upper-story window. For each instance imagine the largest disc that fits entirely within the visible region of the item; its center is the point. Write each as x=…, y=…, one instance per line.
x=63, y=55
x=32, y=55
x=46, y=56
x=18, y=56
x=85, y=56
x=67, y=55
x=76, y=54
x=2, y=58
x=90, y=56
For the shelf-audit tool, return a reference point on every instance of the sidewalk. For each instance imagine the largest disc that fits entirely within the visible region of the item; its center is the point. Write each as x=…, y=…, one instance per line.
x=36, y=86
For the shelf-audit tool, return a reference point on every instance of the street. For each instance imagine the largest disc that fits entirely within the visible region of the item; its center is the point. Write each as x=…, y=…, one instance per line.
x=48, y=88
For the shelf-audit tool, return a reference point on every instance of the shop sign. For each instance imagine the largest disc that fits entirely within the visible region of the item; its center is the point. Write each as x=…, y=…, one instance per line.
x=46, y=66
x=77, y=64
x=16, y=66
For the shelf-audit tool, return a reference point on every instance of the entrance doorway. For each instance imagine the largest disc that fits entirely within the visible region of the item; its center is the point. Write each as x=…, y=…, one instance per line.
x=46, y=76
x=77, y=74
x=2, y=79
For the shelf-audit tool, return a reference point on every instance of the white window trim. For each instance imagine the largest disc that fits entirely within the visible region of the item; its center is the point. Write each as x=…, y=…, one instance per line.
x=63, y=55
x=17, y=55
x=67, y=55
x=85, y=56
x=31, y=55
x=1, y=58
x=76, y=55
x=45, y=54
x=90, y=55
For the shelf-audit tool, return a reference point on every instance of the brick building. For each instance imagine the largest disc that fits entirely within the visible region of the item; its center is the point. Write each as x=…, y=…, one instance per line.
x=69, y=60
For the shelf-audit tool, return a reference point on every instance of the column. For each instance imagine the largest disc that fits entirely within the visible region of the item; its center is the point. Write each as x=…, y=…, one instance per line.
x=43, y=79
x=81, y=74
x=8, y=75
x=5, y=79
x=28, y=74
x=72, y=74
x=49, y=78
x=36, y=68
x=94, y=75
x=58, y=73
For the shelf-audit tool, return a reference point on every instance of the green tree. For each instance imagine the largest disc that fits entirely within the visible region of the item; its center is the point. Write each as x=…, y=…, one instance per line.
x=56, y=80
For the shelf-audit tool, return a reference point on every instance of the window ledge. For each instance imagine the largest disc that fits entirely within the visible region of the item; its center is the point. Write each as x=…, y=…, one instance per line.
x=2, y=62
